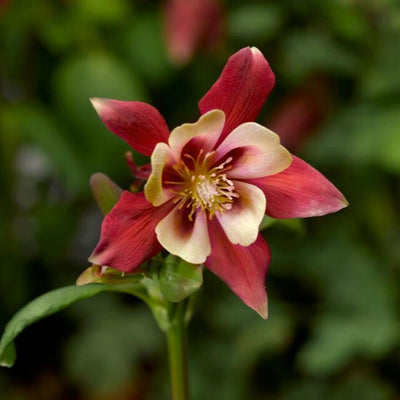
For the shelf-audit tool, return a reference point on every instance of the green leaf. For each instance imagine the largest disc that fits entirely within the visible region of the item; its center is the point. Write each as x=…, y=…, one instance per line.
x=179, y=279
x=105, y=191
x=42, y=307
x=9, y=355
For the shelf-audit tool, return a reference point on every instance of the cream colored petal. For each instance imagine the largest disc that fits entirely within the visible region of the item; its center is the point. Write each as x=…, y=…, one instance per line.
x=153, y=189
x=183, y=238
x=207, y=129
x=259, y=152
x=241, y=223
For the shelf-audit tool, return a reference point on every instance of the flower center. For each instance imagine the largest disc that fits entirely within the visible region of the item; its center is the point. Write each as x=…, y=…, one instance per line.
x=204, y=187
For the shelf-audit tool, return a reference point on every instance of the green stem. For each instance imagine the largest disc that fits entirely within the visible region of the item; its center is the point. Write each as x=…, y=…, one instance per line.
x=177, y=351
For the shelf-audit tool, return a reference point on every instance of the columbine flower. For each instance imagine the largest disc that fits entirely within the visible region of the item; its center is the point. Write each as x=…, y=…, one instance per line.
x=211, y=183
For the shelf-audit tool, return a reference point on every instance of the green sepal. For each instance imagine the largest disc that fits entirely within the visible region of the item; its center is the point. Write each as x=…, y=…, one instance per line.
x=105, y=191
x=179, y=279
x=109, y=276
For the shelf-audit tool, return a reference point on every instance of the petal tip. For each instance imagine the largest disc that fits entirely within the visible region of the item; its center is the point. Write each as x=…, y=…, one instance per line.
x=261, y=307
x=343, y=203
x=92, y=257
x=255, y=50
x=98, y=103
x=95, y=177
x=263, y=312
x=338, y=202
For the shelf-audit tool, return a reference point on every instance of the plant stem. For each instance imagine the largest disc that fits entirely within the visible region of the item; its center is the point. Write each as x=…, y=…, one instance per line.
x=177, y=351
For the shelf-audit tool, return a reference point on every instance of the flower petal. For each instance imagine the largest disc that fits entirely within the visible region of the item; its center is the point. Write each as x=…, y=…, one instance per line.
x=243, y=269
x=241, y=89
x=128, y=235
x=242, y=221
x=139, y=124
x=258, y=152
x=300, y=191
x=206, y=132
x=184, y=238
x=153, y=189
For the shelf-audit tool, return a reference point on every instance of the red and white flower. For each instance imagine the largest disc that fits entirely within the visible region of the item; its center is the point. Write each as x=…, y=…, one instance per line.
x=211, y=183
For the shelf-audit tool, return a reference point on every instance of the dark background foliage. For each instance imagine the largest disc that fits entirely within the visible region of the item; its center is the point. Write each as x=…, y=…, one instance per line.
x=333, y=284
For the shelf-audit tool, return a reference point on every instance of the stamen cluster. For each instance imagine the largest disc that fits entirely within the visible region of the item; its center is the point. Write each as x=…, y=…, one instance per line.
x=204, y=186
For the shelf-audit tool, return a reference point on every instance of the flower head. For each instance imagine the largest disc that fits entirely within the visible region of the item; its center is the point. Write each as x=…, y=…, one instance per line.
x=211, y=182
x=203, y=180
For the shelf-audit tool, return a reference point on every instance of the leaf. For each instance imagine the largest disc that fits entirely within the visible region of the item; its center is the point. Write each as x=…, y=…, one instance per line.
x=42, y=307
x=179, y=279
x=9, y=355
x=105, y=191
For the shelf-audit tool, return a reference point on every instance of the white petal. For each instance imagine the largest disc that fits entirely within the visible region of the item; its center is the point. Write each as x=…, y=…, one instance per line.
x=153, y=189
x=187, y=239
x=207, y=129
x=259, y=152
x=242, y=222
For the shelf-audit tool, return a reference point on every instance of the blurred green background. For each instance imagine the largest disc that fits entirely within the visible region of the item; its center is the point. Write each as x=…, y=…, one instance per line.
x=333, y=284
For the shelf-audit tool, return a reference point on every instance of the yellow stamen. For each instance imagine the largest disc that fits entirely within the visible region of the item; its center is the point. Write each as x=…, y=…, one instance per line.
x=204, y=187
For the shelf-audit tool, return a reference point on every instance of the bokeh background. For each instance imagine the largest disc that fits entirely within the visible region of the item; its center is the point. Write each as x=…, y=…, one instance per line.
x=333, y=284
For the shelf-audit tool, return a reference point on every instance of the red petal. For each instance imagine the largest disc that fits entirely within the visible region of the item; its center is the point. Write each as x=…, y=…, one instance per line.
x=139, y=124
x=299, y=191
x=241, y=89
x=128, y=235
x=243, y=269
